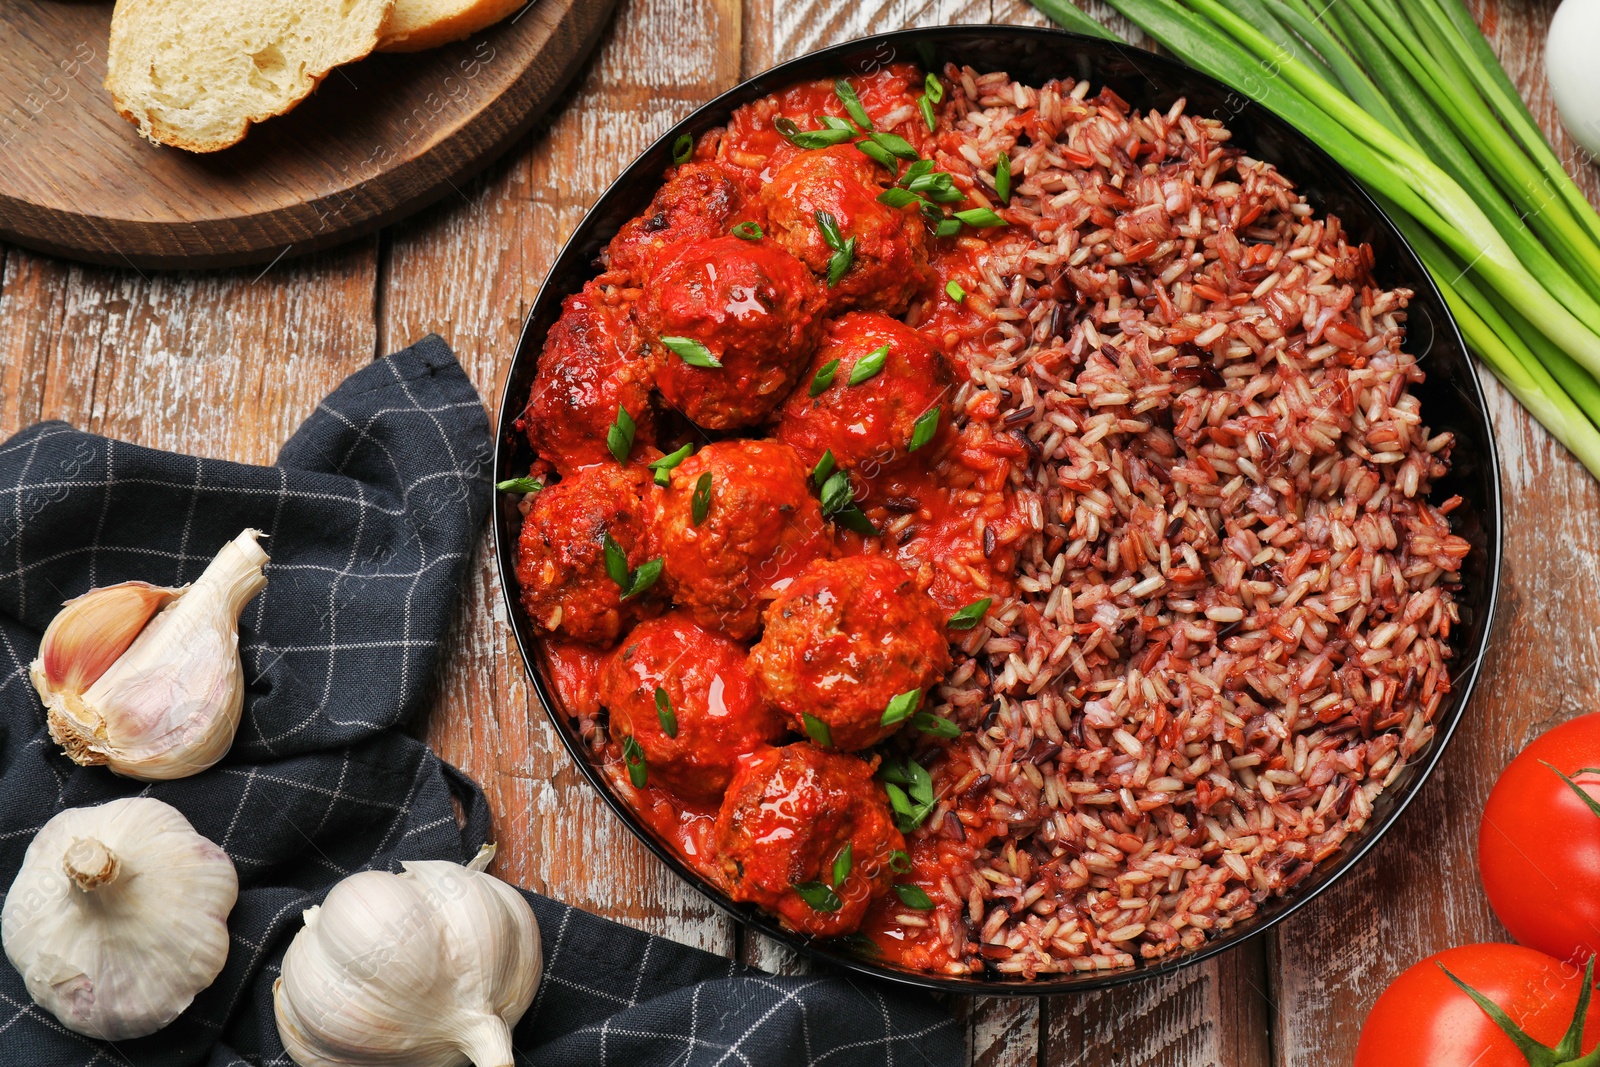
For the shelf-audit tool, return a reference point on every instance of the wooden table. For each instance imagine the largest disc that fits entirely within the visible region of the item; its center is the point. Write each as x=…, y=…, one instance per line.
x=227, y=364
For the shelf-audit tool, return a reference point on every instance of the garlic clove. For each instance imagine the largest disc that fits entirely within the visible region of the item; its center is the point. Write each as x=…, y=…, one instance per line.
x=430, y=968
x=167, y=704
x=118, y=917
x=92, y=630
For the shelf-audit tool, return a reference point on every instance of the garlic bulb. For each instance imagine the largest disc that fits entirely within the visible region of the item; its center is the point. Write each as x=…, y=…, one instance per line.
x=1574, y=77
x=118, y=917
x=430, y=968
x=147, y=679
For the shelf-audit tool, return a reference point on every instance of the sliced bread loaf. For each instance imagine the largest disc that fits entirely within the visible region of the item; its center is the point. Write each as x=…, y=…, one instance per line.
x=417, y=24
x=197, y=73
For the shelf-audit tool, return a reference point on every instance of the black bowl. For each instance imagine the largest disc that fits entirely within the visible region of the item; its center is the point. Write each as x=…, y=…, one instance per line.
x=1451, y=400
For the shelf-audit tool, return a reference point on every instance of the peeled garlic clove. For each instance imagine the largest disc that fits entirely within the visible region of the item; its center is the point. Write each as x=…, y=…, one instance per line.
x=118, y=917
x=430, y=968
x=147, y=680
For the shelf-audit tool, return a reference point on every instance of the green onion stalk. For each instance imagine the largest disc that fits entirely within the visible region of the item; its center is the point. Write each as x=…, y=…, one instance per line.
x=1410, y=97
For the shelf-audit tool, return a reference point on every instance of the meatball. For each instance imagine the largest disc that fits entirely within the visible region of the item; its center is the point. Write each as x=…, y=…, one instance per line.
x=844, y=639
x=592, y=364
x=699, y=200
x=890, y=264
x=715, y=711
x=759, y=525
x=561, y=564
x=787, y=816
x=753, y=307
x=871, y=426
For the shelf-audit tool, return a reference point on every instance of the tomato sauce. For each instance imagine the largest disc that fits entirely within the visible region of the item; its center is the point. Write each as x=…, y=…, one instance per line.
x=575, y=673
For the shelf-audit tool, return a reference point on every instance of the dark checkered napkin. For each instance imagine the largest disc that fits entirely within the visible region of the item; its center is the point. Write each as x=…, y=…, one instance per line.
x=371, y=512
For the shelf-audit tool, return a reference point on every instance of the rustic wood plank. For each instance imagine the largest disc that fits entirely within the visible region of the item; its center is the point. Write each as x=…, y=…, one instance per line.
x=1213, y=1014
x=468, y=270
x=223, y=365
x=1419, y=892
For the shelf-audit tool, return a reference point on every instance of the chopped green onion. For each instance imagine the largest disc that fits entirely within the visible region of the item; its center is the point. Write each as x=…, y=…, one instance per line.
x=954, y=291
x=823, y=378
x=853, y=518
x=895, y=145
x=836, y=493
x=633, y=756
x=520, y=485
x=819, y=895
x=700, y=503
x=947, y=228
x=750, y=231
x=913, y=897
x=692, y=352
x=664, y=712
x=663, y=466
x=838, y=498
x=852, y=103
x=830, y=230
x=844, y=252
x=897, y=198
x=817, y=730
x=938, y=186
x=876, y=152
x=900, y=861
x=980, y=217
x=937, y=725
x=906, y=814
x=910, y=790
x=934, y=87
x=901, y=707
x=1002, y=178
x=869, y=365
x=916, y=170
x=619, y=438
x=643, y=577
x=969, y=616
x=925, y=105
x=842, y=864
x=924, y=428
x=824, y=469
x=682, y=148
x=633, y=582
x=833, y=122
x=839, y=263
x=616, y=563
x=809, y=139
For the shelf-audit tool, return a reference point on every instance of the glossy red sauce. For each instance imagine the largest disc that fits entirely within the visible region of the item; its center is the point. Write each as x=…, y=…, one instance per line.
x=575, y=672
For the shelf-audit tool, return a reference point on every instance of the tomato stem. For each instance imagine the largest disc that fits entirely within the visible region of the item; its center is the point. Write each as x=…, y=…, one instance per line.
x=1575, y=787
x=1568, y=1052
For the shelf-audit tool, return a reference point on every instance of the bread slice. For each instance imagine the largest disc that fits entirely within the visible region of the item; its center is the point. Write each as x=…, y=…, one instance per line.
x=417, y=24
x=197, y=73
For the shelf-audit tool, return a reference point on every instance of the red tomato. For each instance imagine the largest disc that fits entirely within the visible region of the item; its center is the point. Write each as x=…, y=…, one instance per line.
x=1539, y=843
x=1425, y=1020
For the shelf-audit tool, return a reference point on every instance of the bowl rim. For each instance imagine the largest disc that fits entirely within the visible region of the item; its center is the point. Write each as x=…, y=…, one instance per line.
x=713, y=113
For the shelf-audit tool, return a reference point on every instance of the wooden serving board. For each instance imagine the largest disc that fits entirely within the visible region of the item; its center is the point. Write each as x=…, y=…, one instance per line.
x=377, y=140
